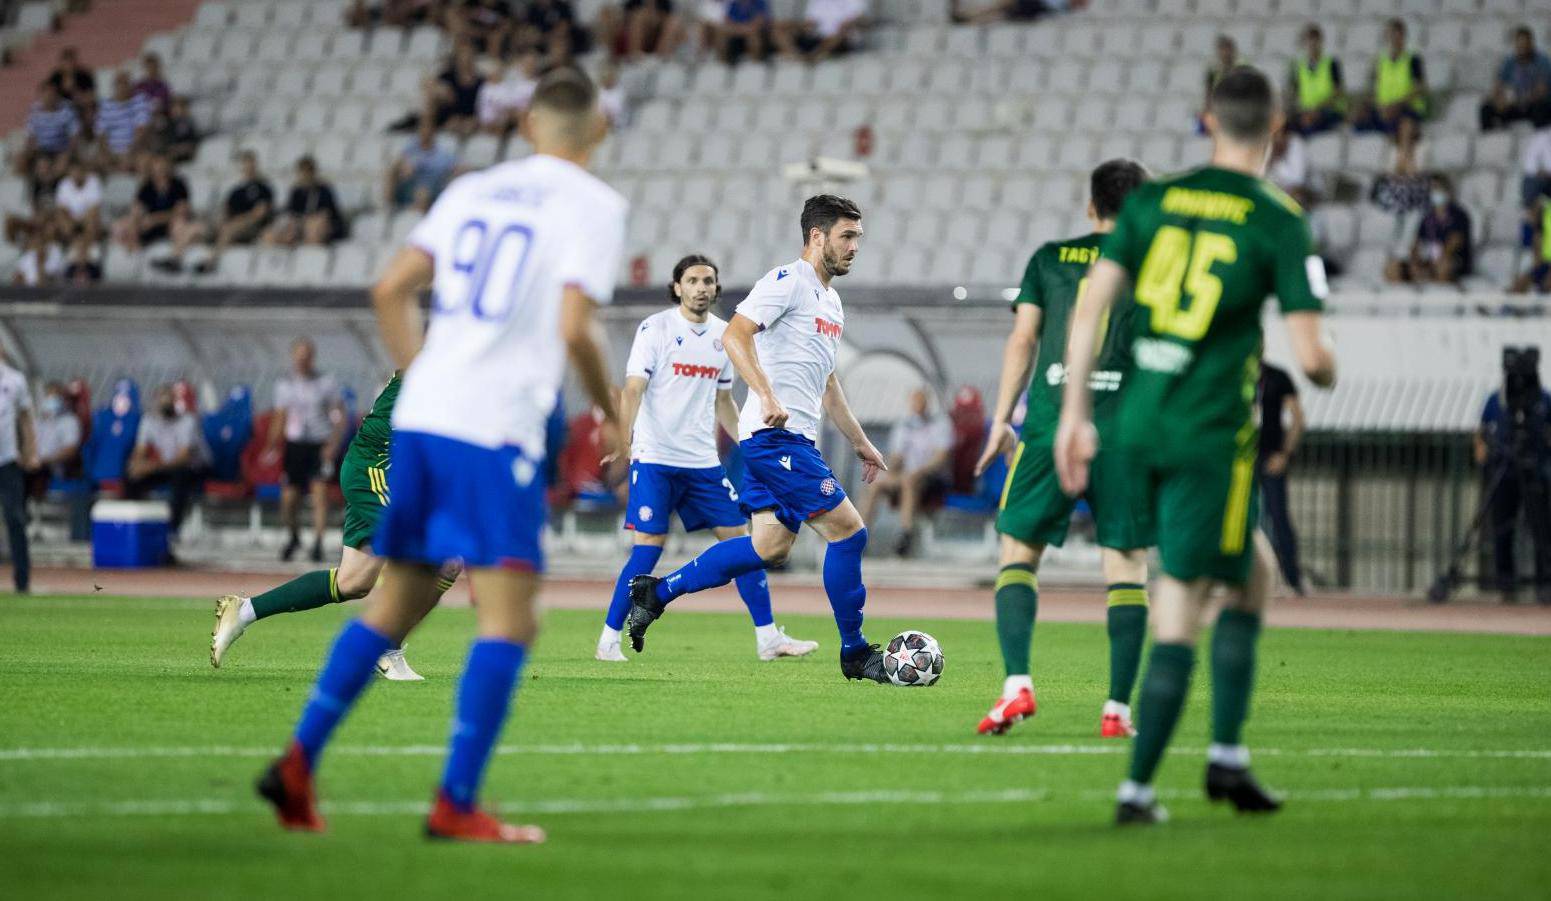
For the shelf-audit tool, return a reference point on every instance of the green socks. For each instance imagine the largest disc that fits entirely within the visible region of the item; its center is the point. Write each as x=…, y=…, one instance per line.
x=1127, y=622
x=1163, y=697
x=1233, y=673
x=304, y=592
x=1017, y=602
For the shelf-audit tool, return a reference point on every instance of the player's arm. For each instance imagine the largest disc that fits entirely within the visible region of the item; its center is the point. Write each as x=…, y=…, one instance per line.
x=396, y=300
x=1076, y=440
x=727, y=412
x=584, y=344
x=739, y=342
x=629, y=408
x=28, y=436
x=839, y=410
x=1017, y=360
x=1276, y=463
x=1310, y=346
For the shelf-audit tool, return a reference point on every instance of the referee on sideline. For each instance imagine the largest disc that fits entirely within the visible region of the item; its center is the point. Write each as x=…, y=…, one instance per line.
x=310, y=416
x=18, y=450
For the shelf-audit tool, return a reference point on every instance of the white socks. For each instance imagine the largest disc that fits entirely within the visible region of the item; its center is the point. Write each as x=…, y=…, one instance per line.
x=609, y=636
x=766, y=634
x=1115, y=708
x=1235, y=756
x=245, y=614
x=1015, y=684
x=1135, y=793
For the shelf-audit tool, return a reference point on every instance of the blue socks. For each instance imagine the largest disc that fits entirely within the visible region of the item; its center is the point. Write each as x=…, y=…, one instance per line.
x=721, y=563
x=754, y=588
x=484, y=696
x=847, y=594
x=643, y=557
x=345, y=674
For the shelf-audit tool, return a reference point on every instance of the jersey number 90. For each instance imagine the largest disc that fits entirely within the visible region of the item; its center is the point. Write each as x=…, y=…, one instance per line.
x=491, y=267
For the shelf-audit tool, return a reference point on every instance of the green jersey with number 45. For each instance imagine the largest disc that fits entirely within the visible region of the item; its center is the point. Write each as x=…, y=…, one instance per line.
x=1204, y=250
x=1053, y=280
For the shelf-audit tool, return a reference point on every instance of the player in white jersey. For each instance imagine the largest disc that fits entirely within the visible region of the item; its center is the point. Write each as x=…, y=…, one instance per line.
x=518, y=256
x=678, y=387
x=782, y=341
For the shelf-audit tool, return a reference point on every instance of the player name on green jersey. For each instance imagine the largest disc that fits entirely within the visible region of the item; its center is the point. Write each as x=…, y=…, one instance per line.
x=1054, y=279
x=1204, y=250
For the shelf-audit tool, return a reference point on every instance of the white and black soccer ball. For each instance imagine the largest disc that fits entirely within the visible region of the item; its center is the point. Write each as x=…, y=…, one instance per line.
x=912, y=658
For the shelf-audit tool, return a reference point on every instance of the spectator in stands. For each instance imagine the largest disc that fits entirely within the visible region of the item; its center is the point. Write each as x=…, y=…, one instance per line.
x=918, y=465
x=827, y=28
x=42, y=262
x=1288, y=167
x=1281, y=428
x=249, y=209
x=1537, y=167
x=612, y=98
x=503, y=100
x=58, y=437
x=311, y=215
x=452, y=98
x=1317, y=89
x=639, y=28
x=422, y=169
x=745, y=31
x=310, y=418
x=121, y=120
x=549, y=26
x=52, y=127
x=486, y=25
x=1399, y=85
x=152, y=86
x=75, y=83
x=1441, y=252
x=1523, y=87
x=161, y=206
x=18, y=452
x=710, y=16
x=1402, y=188
x=1002, y=11
x=1225, y=57
x=78, y=204
x=169, y=453
x=173, y=132
x=1537, y=275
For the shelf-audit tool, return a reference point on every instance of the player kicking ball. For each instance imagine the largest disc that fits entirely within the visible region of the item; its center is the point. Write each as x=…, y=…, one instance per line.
x=678, y=387
x=518, y=256
x=1202, y=251
x=363, y=478
x=1034, y=510
x=782, y=341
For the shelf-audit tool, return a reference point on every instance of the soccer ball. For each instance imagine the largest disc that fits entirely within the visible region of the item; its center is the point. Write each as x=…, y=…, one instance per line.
x=912, y=658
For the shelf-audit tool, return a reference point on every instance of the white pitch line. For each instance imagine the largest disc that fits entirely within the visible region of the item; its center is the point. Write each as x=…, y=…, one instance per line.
x=560, y=806
x=987, y=749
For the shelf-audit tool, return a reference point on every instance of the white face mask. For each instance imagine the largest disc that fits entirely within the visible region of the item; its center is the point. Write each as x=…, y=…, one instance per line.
x=1439, y=199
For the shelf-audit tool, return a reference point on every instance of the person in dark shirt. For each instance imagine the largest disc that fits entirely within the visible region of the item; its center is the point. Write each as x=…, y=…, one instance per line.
x=249, y=208
x=312, y=215
x=152, y=86
x=1281, y=428
x=549, y=26
x=1514, y=493
x=173, y=132
x=487, y=25
x=161, y=208
x=74, y=82
x=454, y=95
x=1441, y=252
x=1523, y=86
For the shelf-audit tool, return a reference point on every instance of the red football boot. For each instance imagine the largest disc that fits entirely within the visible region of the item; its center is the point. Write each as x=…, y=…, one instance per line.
x=1007, y=711
x=447, y=821
x=1115, y=725
x=287, y=784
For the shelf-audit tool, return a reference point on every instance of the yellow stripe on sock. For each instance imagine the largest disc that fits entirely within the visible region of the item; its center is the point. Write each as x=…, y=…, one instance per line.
x=1235, y=517
x=1011, y=470
x=334, y=584
x=444, y=585
x=1128, y=597
x=1016, y=577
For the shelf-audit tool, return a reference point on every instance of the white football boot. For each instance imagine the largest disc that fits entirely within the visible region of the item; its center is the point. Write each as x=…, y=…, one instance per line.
x=395, y=668
x=609, y=651
x=782, y=645
x=229, y=626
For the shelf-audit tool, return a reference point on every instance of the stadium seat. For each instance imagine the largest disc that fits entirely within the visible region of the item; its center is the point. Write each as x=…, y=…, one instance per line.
x=353, y=265
x=213, y=15
x=1497, y=265
x=309, y=267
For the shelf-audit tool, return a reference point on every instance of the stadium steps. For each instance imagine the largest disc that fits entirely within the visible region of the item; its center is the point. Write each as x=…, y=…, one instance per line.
x=108, y=34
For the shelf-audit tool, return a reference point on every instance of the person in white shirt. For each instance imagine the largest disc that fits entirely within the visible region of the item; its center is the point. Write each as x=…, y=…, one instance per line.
x=78, y=203
x=169, y=453
x=918, y=464
x=678, y=389
x=827, y=28
x=58, y=435
x=783, y=340
x=1537, y=167
x=18, y=452
x=501, y=101
x=41, y=264
x=307, y=427
x=518, y=256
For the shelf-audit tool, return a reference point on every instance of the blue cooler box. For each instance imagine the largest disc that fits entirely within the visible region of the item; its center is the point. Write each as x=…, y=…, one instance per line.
x=129, y=533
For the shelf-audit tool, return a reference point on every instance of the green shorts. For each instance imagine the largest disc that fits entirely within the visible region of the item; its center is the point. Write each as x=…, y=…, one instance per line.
x=1035, y=510
x=363, y=479
x=1206, y=512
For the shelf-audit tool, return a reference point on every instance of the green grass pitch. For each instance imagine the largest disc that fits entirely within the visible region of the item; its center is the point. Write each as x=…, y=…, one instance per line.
x=1415, y=765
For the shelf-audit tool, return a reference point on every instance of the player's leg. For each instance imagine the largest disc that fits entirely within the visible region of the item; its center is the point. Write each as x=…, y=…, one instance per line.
x=408, y=591
x=1017, y=605
x=508, y=624
x=353, y=578
x=1125, y=619
x=645, y=551
x=1234, y=643
x=846, y=538
x=770, y=640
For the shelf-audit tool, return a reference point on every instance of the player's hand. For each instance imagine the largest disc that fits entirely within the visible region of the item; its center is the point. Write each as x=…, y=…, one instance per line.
x=1001, y=440
x=609, y=441
x=1076, y=443
x=775, y=414
x=872, y=461
x=1276, y=464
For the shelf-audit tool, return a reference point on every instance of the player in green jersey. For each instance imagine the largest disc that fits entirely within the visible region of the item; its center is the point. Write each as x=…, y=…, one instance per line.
x=1201, y=251
x=1034, y=510
x=363, y=477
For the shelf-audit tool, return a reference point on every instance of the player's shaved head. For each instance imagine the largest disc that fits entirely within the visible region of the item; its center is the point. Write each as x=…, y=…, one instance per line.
x=564, y=111
x=1243, y=102
x=1111, y=182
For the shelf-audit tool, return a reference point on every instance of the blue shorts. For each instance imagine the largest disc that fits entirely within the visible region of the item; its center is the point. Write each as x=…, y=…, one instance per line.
x=703, y=498
x=452, y=499
x=787, y=475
